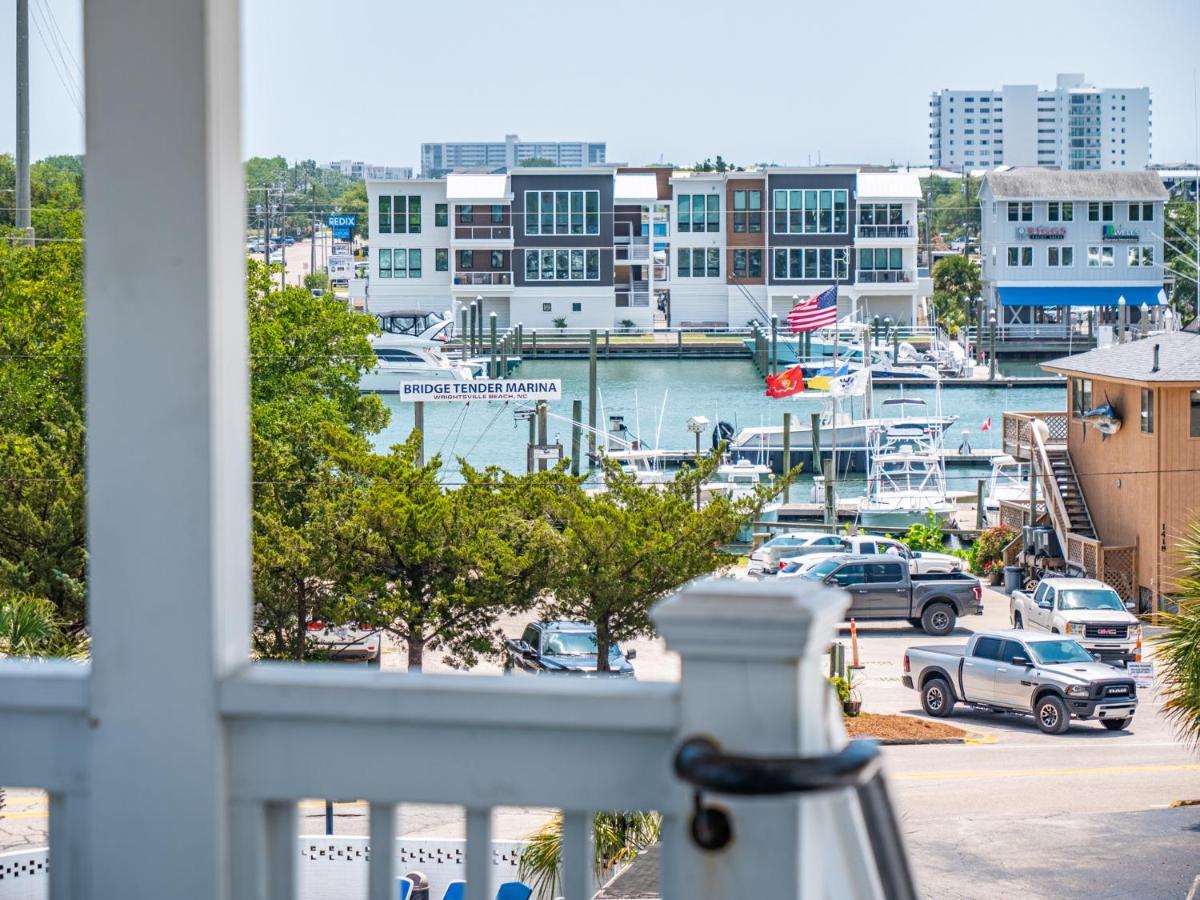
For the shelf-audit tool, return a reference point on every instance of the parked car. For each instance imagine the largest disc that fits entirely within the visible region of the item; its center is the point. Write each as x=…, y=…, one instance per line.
x=353, y=643
x=563, y=648
x=1051, y=677
x=1086, y=609
x=920, y=562
x=765, y=560
x=881, y=587
x=797, y=566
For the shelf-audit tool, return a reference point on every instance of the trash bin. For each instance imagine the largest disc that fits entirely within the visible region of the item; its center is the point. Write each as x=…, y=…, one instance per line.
x=1012, y=578
x=420, y=889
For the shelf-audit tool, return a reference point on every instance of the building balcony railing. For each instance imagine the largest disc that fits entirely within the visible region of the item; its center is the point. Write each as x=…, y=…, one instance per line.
x=483, y=278
x=885, y=231
x=885, y=276
x=483, y=233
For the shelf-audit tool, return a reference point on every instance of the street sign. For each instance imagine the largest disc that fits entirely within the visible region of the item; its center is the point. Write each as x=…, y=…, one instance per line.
x=481, y=389
x=342, y=225
x=547, y=451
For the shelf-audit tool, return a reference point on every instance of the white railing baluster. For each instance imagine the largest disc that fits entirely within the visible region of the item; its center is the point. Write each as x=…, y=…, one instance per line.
x=248, y=841
x=479, y=853
x=381, y=883
x=66, y=824
x=577, y=855
x=283, y=850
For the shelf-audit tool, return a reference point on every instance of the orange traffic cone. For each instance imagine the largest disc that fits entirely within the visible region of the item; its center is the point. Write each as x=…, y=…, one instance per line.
x=1137, y=651
x=854, y=644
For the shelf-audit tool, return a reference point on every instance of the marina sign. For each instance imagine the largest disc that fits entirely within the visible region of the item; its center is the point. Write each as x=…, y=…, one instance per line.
x=1042, y=232
x=481, y=389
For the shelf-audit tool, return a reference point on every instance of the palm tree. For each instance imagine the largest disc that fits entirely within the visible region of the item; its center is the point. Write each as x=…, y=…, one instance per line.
x=617, y=837
x=1179, y=648
x=29, y=626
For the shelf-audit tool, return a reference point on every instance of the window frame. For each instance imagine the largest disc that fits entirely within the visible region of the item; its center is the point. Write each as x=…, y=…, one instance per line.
x=441, y=259
x=561, y=221
x=1146, y=416
x=441, y=215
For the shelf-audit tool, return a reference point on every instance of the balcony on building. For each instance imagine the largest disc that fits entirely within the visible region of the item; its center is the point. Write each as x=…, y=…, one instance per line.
x=482, y=270
x=480, y=210
x=637, y=219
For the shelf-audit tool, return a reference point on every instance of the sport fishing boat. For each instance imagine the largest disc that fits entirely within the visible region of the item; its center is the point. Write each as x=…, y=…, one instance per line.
x=903, y=488
x=1009, y=481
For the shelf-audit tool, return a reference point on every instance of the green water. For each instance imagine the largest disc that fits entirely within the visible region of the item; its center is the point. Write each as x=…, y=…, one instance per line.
x=485, y=433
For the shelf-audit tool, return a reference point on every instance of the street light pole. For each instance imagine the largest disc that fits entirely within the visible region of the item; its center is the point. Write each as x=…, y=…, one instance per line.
x=992, y=347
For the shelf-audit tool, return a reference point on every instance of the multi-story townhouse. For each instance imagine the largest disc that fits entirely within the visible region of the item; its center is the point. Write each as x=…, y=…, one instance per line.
x=1074, y=126
x=409, y=239
x=641, y=245
x=481, y=254
x=699, y=292
x=746, y=254
x=885, y=246
x=1070, y=239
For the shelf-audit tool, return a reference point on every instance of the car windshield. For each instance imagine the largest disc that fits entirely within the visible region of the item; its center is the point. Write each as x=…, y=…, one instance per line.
x=1096, y=598
x=573, y=643
x=1049, y=653
x=821, y=569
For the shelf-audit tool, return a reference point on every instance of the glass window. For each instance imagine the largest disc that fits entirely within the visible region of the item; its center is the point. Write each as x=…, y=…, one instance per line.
x=826, y=261
x=795, y=211
x=547, y=265
x=593, y=265
x=1107, y=257
x=796, y=264
x=839, y=211
x=1068, y=212
x=847, y=575
x=547, y=204
x=896, y=258
x=562, y=265
x=497, y=261
x=739, y=217
x=1014, y=256
x=414, y=216
x=385, y=261
x=1051, y=212
x=810, y=212
x=841, y=262
x=441, y=259
x=779, y=266
x=561, y=213
x=714, y=212
x=531, y=265
x=866, y=260
x=466, y=259
x=884, y=573
x=684, y=212
x=414, y=263
x=385, y=217
x=780, y=210
x=1147, y=411
x=497, y=214
x=810, y=262
x=755, y=218
x=576, y=212
x=441, y=215
x=591, y=207
x=577, y=264
x=1194, y=401
x=1082, y=394
x=756, y=264
x=1147, y=212
x=1093, y=212
x=1014, y=212
x=685, y=262
x=399, y=264
x=531, y=212
x=466, y=214
x=714, y=262
x=1106, y=212
x=739, y=262
x=1027, y=256
x=1135, y=212
x=987, y=648
x=1010, y=650
x=1093, y=257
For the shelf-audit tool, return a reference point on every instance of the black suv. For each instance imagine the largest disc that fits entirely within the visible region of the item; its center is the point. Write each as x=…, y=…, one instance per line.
x=566, y=648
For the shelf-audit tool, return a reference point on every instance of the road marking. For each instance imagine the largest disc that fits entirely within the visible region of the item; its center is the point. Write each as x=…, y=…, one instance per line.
x=1026, y=773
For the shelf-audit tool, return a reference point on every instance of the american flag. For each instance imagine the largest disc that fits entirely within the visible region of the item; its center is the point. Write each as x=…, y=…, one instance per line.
x=819, y=311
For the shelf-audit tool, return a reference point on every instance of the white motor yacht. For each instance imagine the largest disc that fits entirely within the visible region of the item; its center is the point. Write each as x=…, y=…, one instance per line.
x=737, y=480
x=410, y=348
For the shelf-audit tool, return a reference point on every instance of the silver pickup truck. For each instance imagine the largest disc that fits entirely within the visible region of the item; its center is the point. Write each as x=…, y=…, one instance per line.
x=1048, y=676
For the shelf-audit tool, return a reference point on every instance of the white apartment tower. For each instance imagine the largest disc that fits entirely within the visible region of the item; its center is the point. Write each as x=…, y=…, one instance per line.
x=1074, y=126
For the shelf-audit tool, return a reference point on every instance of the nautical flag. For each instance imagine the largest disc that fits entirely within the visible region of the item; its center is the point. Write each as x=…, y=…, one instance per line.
x=852, y=385
x=818, y=311
x=788, y=382
x=987, y=424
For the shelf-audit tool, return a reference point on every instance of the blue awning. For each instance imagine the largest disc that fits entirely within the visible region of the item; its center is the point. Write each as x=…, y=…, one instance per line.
x=1101, y=295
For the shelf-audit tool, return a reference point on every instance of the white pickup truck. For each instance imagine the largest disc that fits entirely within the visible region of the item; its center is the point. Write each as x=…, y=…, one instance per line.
x=920, y=562
x=1088, y=610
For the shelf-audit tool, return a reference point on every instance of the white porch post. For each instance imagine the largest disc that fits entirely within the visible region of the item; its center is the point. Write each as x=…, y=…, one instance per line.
x=752, y=681
x=168, y=462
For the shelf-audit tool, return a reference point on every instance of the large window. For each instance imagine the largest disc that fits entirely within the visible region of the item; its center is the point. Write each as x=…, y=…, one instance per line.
x=881, y=259
x=1103, y=257
x=441, y=259
x=466, y=214
x=399, y=263
x=747, y=212
x=441, y=215
x=1141, y=212
x=1141, y=256
x=811, y=263
x=699, y=212
x=1081, y=395
x=562, y=212
x=1100, y=212
x=399, y=214
x=1020, y=212
x=563, y=264
x=699, y=262
x=1060, y=257
x=811, y=212
x=747, y=263
x=1147, y=411
x=1060, y=212
x=1020, y=256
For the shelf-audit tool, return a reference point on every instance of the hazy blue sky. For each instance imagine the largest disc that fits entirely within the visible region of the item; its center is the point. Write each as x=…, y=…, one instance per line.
x=776, y=80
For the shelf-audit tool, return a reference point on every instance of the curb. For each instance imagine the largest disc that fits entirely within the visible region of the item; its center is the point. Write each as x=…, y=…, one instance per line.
x=972, y=738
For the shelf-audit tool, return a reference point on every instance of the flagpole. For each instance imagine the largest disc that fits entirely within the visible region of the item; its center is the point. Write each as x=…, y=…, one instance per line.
x=833, y=394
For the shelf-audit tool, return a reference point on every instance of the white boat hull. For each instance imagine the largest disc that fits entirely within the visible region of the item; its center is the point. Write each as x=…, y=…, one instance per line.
x=903, y=512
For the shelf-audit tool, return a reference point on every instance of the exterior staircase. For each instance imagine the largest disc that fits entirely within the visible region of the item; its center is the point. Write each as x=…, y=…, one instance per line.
x=1074, y=504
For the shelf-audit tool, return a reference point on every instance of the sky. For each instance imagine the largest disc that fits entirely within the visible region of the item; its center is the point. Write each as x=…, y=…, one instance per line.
x=776, y=81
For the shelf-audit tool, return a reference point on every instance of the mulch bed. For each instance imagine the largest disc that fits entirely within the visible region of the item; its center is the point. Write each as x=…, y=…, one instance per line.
x=889, y=729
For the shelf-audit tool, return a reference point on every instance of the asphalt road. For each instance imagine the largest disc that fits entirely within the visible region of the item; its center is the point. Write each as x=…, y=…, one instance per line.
x=1015, y=813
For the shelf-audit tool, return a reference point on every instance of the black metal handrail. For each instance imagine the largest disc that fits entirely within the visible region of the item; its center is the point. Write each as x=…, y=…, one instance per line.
x=699, y=761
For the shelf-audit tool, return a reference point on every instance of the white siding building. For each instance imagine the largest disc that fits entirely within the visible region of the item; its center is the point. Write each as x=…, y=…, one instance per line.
x=885, y=246
x=409, y=240
x=1073, y=126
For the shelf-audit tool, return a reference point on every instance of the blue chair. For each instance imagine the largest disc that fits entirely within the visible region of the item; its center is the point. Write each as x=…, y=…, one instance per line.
x=455, y=890
x=514, y=890
x=404, y=888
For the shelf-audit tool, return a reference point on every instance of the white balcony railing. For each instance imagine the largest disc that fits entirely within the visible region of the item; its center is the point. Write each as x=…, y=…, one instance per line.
x=483, y=233
x=885, y=231
x=483, y=278
x=173, y=764
x=885, y=276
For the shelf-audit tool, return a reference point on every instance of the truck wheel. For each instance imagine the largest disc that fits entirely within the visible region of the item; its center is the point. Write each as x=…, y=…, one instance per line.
x=937, y=698
x=1115, y=724
x=938, y=619
x=1017, y=623
x=1051, y=714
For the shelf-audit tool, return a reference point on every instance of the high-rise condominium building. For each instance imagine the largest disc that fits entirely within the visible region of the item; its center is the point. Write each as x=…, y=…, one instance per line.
x=1074, y=126
x=439, y=158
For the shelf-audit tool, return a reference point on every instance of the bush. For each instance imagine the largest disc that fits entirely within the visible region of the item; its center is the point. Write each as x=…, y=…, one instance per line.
x=928, y=536
x=985, y=553
x=560, y=322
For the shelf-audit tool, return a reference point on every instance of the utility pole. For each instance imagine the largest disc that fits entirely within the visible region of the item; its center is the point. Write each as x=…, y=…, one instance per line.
x=267, y=226
x=22, y=196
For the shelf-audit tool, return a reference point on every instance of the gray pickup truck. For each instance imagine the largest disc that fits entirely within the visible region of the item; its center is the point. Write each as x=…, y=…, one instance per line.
x=1048, y=676
x=881, y=587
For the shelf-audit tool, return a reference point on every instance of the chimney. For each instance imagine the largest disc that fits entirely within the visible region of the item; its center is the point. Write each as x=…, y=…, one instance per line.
x=1154, y=368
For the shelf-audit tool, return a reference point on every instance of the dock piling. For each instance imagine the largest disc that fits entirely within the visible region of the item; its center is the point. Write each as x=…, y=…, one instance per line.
x=816, y=442
x=494, y=369
x=419, y=428
x=576, y=431
x=774, y=343
x=980, y=511
x=830, y=502
x=541, y=427
x=787, y=454
x=591, y=398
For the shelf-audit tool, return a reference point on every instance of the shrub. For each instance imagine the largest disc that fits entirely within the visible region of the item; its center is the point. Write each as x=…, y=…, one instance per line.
x=985, y=552
x=928, y=536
